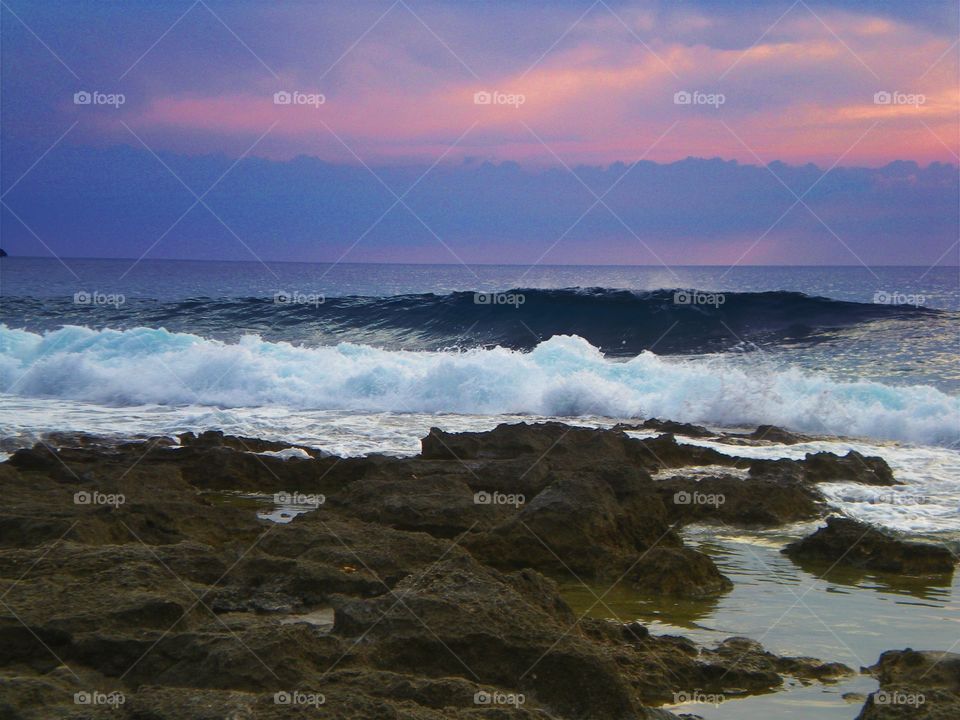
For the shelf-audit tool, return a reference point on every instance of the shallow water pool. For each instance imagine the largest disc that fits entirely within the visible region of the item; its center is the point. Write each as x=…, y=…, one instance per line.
x=839, y=616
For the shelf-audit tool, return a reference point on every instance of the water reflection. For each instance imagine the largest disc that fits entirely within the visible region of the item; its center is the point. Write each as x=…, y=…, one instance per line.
x=935, y=588
x=836, y=614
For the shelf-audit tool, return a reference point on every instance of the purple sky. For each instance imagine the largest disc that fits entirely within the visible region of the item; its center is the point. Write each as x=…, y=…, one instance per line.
x=577, y=92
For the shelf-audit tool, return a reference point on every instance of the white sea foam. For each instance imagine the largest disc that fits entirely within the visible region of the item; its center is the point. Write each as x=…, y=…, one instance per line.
x=564, y=376
x=287, y=453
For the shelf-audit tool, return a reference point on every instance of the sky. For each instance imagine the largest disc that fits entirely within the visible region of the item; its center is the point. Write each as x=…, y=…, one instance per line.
x=615, y=131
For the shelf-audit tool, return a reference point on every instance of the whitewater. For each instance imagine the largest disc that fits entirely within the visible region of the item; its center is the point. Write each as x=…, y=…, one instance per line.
x=561, y=377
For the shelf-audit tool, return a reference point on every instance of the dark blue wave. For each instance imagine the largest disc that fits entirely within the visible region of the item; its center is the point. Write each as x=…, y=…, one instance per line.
x=619, y=322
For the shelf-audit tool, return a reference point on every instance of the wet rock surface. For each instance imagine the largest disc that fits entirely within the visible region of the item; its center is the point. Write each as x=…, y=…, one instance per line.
x=827, y=467
x=924, y=685
x=852, y=467
x=723, y=498
x=139, y=582
x=859, y=545
x=766, y=434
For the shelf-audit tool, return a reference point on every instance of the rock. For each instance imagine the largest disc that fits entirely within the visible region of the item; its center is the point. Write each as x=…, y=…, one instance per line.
x=590, y=526
x=759, y=660
x=513, y=440
x=664, y=451
x=783, y=471
x=766, y=435
x=857, y=544
x=463, y=605
x=677, y=571
x=734, y=501
x=573, y=446
x=216, y=438
x=634, y=631
x=39, y=457
x=826, y=467
x=401, y=596
x=927, y=668
x=677, y=428
x=852, y=467
x=442, y=505
x=924, y=685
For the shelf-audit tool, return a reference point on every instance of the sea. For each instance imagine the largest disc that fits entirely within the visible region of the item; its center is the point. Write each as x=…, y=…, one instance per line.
x=361, y=358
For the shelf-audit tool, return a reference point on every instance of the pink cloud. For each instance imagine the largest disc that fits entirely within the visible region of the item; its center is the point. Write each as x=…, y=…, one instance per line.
x=801, y=96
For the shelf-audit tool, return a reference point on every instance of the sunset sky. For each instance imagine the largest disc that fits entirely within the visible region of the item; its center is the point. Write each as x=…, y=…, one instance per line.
x=577, y=87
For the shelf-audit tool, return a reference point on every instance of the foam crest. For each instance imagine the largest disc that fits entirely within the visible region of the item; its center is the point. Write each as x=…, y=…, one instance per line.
x=563, y=376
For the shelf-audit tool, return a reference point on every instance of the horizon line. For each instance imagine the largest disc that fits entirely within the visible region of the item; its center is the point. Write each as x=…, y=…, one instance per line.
x=476, y=161
x=661, y=266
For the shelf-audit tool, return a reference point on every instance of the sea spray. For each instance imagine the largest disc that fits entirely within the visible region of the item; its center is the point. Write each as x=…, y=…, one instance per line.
x=563, y=376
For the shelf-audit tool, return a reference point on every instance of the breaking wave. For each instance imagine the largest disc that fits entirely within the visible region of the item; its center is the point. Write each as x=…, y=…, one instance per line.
x=562, y=376
x=619, y=322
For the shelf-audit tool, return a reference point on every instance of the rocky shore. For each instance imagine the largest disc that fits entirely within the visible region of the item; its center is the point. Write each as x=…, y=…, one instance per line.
x=145, y=579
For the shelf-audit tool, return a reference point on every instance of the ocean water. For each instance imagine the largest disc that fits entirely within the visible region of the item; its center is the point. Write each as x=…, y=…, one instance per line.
x=363, y=358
